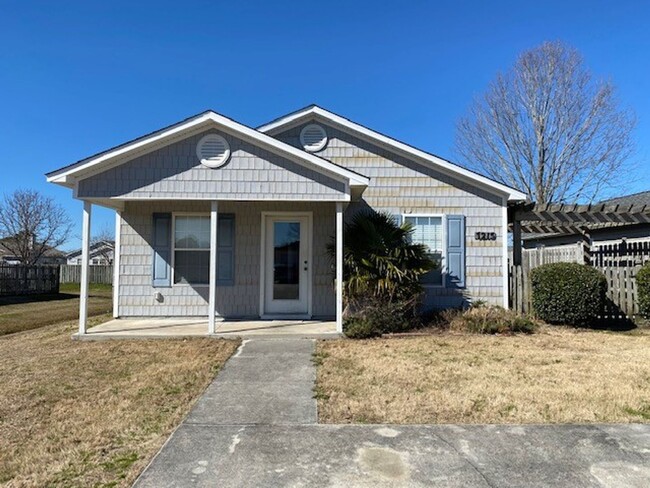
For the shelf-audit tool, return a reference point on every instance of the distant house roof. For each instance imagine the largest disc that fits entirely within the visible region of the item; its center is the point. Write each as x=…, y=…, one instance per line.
x=95, y=249
x=50, y=252
x=641, y=198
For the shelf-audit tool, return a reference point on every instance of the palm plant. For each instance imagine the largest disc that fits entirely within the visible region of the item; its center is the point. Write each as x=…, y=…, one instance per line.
x=379, y=259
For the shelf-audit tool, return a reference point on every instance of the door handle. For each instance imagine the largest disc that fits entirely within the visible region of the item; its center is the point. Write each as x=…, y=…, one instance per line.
x=305, y=268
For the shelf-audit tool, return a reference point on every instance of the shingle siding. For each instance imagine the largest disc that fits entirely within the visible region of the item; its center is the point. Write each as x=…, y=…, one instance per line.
x=136, y=294
x=403, y=186
x=175, y=172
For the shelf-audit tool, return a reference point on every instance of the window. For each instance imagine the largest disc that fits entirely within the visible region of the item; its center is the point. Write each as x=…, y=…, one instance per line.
x=192, y=249
x=428, y=231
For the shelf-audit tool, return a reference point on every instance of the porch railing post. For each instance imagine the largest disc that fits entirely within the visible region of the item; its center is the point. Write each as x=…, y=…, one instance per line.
x=116, y=264
x=212, y=303
x=85, y=258
x=339, y=267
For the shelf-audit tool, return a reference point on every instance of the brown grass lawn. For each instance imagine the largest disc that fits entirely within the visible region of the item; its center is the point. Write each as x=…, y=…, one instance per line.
x=31, y=312
x=94, y=413
x=558, y=375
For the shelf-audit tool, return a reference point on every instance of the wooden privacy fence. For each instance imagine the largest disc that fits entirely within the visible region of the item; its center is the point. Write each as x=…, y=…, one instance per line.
x=619, y=263
x=101, y=274
x=28, y=280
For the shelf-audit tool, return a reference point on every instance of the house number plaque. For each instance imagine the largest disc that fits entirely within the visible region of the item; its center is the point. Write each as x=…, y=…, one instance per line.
x=485, y=236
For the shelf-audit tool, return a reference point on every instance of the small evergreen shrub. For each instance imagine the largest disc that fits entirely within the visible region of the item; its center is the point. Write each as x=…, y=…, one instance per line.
x=643, y=289
x=491, y=320
x=360, y=328
x=568, y=293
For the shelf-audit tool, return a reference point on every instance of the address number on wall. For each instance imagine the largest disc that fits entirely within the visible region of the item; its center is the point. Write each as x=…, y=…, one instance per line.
x=486, y=236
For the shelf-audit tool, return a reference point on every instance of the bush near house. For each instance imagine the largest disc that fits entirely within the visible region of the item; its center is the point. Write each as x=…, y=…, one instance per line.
x=382, y=270
x=490, y=320
x=643, y=290
x=378, y=317
x=568, y=293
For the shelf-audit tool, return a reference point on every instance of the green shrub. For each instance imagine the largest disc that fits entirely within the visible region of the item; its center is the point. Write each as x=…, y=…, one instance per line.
x=568, y=293
x=379, y=258
x=490, y=320
x=360, y=328
x=643, y=289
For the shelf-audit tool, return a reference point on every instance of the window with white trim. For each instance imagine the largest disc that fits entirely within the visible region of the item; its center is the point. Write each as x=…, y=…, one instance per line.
x=428, y=231
x=192, y=249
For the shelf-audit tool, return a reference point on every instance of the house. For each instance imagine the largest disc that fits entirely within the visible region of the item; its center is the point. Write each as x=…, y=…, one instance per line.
x=263, y=203
x=50, y=256
x=101, y=254
x=599, y=235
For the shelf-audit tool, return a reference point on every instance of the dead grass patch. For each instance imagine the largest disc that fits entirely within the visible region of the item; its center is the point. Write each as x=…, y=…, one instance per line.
x=559, y=375
x=94, y=413
x=33, y=311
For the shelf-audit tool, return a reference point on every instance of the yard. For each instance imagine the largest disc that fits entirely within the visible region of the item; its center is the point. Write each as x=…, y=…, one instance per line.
x=93, y=413
x=31, y=312
x=555, y=376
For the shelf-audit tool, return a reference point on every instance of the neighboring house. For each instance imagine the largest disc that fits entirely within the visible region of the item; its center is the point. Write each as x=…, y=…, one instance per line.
x=51, y=256
x=263, y=203
x=600, y=234
x=101, y=254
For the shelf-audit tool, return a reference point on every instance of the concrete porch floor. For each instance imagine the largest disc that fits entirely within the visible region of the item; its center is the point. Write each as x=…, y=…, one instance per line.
x=167, y=328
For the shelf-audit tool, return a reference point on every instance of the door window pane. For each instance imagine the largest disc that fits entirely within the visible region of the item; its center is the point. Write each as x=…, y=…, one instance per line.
x=286, y=260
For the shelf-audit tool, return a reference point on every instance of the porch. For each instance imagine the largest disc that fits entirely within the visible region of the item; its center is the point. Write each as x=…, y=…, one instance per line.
x=179, y=327
x=233, y=268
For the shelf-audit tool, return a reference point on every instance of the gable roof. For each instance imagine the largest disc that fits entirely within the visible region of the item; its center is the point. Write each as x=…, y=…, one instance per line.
x=314, y=111
x=124, y=152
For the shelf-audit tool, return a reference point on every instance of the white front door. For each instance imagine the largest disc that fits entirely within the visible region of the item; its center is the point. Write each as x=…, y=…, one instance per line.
x=286, y=264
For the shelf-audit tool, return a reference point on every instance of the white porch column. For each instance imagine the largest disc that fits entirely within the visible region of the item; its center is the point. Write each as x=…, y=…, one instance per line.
x=212, y=305
x=116, y=265
x=339, y=267
x=85, y=258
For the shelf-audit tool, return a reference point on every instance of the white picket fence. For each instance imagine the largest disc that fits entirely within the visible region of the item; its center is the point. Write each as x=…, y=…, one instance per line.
x=101, y=274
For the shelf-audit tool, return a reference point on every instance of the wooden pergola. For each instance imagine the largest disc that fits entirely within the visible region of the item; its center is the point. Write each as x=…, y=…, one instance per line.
x=570, y=219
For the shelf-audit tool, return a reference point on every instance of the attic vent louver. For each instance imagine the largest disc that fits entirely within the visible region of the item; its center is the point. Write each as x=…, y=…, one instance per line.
x=313, y=137
x=213, y=151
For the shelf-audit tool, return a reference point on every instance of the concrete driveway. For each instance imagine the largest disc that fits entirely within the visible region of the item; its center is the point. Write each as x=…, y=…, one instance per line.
x=256, y=426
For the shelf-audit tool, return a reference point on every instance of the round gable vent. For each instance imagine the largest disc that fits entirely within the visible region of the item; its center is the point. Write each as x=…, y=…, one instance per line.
x=313, y=137
x=213, y=151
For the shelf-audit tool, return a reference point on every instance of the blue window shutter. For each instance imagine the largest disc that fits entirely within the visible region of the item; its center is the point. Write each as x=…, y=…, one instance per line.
x=162, y=250
x=226, y=250
x=456, y=251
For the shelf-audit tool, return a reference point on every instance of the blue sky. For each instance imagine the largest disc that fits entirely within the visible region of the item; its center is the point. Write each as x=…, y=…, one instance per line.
x=80, y=77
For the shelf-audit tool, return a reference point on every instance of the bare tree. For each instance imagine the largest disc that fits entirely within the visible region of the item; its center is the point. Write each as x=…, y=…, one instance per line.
x=547, y=128
x=31, y=224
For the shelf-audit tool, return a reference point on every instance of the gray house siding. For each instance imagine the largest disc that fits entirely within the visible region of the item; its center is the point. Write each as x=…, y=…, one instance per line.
x=175, y=172
x=403, y=186
x=136, y=294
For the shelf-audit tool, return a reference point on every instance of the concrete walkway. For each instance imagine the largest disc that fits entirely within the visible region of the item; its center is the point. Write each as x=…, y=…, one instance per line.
x=256, y=426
